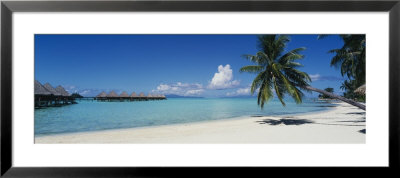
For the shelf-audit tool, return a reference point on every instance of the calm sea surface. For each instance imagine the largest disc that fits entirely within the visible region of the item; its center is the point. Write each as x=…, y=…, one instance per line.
x=93, y=115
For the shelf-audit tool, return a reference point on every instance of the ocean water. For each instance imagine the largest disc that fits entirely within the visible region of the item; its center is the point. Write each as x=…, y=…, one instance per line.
x=93, y=115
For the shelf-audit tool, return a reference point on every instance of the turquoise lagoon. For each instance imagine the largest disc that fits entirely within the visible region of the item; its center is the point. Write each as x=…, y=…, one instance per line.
x=93, y=115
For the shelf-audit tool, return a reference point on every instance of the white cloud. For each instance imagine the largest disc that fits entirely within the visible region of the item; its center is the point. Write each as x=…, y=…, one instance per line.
x=194, y=92
x=223, y=78
x=70, y=88
x=85, y=92
x=179, y=88
x=315, y=77
x=241, y=92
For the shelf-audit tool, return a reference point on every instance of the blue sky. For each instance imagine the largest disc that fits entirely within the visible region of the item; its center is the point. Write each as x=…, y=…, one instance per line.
x=190, y=65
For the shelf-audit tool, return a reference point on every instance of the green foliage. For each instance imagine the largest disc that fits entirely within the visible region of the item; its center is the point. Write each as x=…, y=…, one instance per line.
x=330, y=90
x=350, y=59
x=276, y=70
x=76, y=95
x=350, y=86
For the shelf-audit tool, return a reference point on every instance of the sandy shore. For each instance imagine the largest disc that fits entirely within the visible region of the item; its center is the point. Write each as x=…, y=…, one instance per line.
x=341, y=124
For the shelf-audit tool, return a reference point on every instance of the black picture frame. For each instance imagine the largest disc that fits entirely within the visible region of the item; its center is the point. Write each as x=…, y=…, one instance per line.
x=8, y=7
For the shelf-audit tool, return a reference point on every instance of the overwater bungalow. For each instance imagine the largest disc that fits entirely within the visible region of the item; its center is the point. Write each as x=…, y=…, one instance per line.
x=101, y=97
x=142, y=96
x=112, y=94
x=55, y=93
x=42, y=95
x=51, y=89
x=124, y=95
x=61, y=90
x=46, y=95
x=133, y=97
x=66, y=98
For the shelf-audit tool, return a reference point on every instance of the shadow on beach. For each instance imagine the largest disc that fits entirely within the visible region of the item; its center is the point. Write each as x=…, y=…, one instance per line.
x=285, y=121
x=353, y=121
x=288, y=121
x=358, y=113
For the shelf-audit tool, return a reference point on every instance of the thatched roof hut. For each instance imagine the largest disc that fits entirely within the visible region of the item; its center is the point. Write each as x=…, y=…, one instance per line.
x=361, y=90
x=133, y=94
x=112, y=94
x=124, y=94
x=51, y=89
x=102, y=95
x=142, y=94
x=40, y=89
x=61, y=90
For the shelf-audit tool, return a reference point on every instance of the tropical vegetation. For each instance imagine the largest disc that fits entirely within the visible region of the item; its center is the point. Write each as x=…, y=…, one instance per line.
x=350, y=86
x=76, y=95
x=350, y=60
x=277, y=72
x=323, y=96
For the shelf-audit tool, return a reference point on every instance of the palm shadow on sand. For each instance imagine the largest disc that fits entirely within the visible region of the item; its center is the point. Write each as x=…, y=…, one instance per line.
x=357, y=113
x=285, y=121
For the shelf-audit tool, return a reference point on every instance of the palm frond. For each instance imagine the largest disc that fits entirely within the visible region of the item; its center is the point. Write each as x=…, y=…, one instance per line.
x=251, y=58
x=257, y=82
x=278, y=92
x=291, y=55
x=350, y=58
x=251, y=69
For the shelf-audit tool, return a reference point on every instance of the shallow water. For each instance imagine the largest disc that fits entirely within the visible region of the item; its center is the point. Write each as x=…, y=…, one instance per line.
x=93, y=115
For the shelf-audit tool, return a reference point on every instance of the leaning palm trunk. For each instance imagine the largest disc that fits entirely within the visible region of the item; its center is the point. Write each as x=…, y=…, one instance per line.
x=352, y=102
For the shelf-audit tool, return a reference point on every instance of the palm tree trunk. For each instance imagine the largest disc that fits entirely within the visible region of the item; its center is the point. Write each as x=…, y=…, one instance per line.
x=352, y=102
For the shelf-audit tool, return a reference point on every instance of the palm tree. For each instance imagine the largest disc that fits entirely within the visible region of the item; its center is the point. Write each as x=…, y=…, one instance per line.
x=349, y=87
x=277, y=72
x=350, y=58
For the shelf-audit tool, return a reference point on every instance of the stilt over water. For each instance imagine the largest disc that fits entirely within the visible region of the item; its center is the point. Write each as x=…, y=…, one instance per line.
x=48, y=96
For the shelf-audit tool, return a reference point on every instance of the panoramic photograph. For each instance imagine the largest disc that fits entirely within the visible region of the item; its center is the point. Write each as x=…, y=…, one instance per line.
x=200, y=89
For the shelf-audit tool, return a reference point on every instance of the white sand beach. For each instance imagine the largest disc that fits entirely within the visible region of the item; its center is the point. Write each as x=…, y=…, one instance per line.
x=341, y=124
